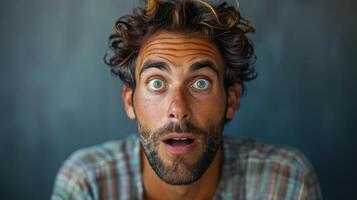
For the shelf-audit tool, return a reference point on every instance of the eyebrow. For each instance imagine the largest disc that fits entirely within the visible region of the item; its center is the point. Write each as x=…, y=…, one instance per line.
x=165, y=67
x=204, y=64
x=155, y=64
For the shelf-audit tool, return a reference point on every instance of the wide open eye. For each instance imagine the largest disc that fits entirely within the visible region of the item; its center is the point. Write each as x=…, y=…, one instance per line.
x=201, y=84
x=156, y=84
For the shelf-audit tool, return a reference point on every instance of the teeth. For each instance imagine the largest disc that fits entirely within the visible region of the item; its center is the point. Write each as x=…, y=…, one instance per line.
x=180, y=138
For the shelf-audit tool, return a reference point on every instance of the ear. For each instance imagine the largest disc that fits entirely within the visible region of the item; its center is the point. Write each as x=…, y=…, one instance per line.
x=127, y=94
x=233, y=101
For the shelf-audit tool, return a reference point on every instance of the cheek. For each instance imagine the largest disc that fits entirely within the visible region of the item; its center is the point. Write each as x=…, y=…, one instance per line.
x=210, y=109
x=149, y=111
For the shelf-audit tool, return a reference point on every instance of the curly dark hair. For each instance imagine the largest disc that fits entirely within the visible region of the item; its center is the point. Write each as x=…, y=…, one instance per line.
x=221, y=24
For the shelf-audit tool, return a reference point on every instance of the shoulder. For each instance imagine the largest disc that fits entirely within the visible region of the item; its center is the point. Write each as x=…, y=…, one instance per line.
x=272, y=170
x=102, y=156
x=86, y=169
x=253, y=151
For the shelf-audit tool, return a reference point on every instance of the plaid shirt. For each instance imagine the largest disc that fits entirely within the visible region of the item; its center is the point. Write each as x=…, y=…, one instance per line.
x=251, y=170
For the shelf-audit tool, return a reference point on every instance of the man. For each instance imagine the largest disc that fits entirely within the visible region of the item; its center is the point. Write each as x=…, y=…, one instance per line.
x=184, y=65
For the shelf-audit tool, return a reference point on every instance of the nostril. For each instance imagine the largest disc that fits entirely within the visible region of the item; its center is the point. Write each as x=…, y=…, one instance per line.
x=173, y=116
x=178, y=110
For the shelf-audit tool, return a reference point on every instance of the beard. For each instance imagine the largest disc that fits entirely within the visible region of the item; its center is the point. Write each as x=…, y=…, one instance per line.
x=179, y=172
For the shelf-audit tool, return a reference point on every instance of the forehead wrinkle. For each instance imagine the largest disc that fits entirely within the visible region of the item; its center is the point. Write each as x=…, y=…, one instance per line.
x=180, y=45
x=157, y=44
x=154, y=64
x=204, y=64
x=170, y=58
x=171, y=62
x=198, y=58
x=175, y=55
x=194, y=42
x=161, y=56
x=179, y=52
x=180, y=48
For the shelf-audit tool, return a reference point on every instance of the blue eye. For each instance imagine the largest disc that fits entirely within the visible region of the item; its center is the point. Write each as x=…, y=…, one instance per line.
x=201, y=84
x=156, y=84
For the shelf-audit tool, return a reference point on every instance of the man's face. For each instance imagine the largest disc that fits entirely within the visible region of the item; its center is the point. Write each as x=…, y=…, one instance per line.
x=180, y=104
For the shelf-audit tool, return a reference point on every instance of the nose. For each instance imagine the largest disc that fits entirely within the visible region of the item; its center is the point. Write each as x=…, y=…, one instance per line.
x=179, y=108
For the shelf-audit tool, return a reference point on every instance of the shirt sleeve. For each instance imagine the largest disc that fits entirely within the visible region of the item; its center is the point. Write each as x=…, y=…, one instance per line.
x=311, y=187
x=71, y=183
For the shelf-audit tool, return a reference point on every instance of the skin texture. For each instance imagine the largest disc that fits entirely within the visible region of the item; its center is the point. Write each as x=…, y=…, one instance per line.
x=171, y=58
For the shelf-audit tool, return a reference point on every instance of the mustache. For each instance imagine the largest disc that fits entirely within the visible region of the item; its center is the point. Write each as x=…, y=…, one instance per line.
x=183, y=126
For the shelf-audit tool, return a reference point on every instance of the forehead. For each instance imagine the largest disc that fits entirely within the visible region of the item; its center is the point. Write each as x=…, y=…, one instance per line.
x=178, y=49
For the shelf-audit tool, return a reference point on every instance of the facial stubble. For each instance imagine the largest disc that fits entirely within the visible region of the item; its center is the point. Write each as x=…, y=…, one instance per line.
x=179, y=172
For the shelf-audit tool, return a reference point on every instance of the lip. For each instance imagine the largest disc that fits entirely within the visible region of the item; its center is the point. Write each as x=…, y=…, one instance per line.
x=178, y=135
x=177, y=150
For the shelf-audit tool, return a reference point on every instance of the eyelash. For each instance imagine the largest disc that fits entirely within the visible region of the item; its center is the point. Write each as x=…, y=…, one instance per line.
x=203, y=78
x=190, y=85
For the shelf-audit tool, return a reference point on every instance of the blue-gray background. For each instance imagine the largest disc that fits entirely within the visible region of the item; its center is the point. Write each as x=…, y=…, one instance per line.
x=57, y=95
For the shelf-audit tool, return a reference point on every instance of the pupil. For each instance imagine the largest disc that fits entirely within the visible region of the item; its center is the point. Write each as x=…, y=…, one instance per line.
x=157, y=84
x=201, y=84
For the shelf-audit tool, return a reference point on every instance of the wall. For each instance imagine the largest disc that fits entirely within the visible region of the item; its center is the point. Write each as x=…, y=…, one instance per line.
x=57, y=95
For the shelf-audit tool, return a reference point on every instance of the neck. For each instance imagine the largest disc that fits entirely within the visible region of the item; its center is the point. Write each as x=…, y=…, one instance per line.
x=204, y=188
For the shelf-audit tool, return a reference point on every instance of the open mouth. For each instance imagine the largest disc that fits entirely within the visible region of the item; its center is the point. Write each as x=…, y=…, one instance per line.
x=178, y=141
x=178, y=144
